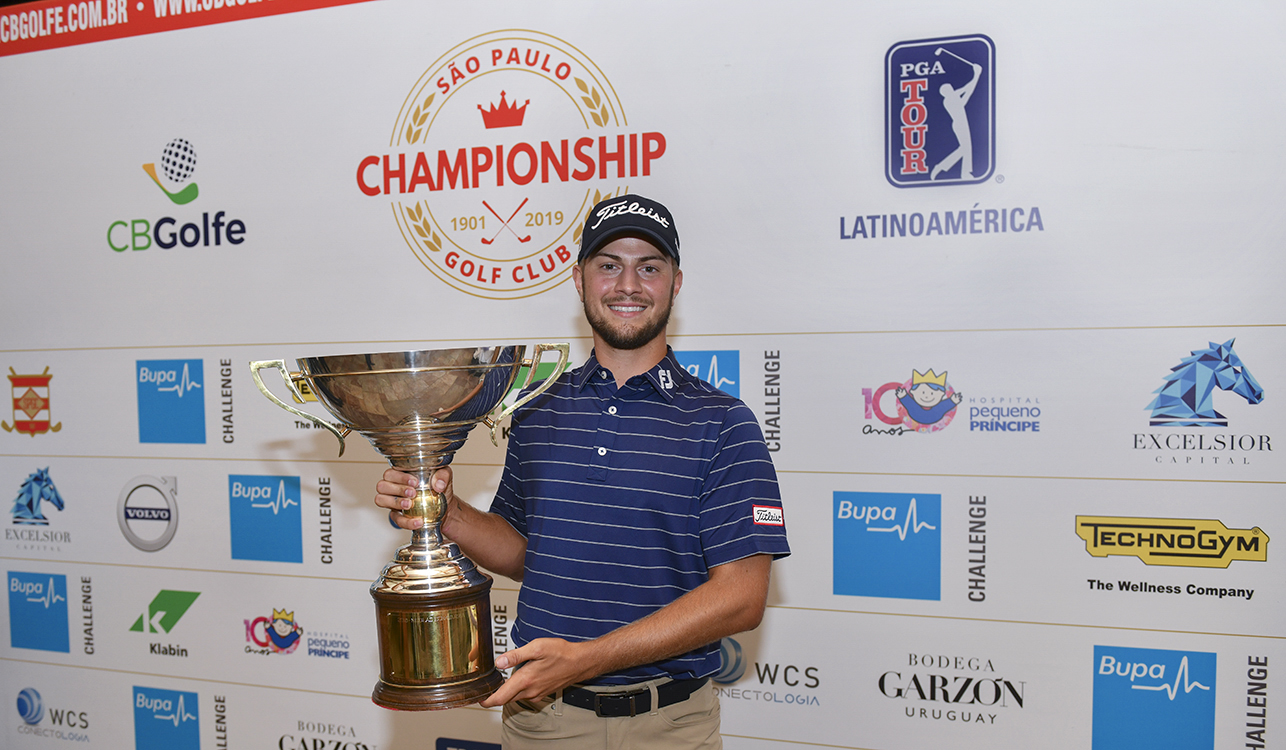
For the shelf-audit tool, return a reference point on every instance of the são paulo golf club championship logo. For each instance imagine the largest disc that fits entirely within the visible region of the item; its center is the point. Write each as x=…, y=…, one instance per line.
x=498, y=152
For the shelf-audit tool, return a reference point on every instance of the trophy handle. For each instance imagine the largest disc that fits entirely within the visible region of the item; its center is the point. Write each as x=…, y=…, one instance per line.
x=563, y=350
x=280, y=364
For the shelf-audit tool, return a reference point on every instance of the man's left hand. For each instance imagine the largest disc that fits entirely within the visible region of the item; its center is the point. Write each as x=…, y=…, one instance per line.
x=549, y=664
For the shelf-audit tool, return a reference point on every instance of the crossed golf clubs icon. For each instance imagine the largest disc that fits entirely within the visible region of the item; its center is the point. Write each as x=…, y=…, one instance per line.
x=486, y=241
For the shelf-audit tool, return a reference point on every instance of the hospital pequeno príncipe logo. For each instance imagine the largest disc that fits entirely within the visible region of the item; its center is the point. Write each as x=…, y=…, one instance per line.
x=497, y=154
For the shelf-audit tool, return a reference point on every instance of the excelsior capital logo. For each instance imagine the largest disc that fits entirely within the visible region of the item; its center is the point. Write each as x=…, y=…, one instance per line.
x=497, y=154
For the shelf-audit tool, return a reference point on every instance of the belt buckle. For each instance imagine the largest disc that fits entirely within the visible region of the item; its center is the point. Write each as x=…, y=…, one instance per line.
x=598, y=704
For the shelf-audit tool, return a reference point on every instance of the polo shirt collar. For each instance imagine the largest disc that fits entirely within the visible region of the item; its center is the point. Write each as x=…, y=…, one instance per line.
x=665, y=376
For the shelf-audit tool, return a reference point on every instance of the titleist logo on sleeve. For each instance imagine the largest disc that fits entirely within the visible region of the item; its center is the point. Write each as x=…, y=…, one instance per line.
x=616, y=209
x=766, y=515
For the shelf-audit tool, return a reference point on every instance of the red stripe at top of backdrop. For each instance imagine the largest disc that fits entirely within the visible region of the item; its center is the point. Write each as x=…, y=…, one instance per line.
x=48, y=24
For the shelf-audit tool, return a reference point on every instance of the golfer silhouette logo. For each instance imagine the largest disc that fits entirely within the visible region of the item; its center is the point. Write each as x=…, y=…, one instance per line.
x=940, y=103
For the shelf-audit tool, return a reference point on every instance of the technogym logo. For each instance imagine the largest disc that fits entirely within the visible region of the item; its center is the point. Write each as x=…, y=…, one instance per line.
x=499, y=150
x=1189, y=543
x=177, y=162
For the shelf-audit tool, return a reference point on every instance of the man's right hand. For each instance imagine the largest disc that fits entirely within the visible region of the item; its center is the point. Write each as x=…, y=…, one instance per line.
x=396, y=489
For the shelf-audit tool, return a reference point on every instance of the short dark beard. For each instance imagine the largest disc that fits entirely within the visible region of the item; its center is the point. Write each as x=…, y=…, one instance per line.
x=630, y=340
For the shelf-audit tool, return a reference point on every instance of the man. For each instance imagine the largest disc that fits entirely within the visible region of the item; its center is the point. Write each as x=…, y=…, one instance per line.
x=638, y=507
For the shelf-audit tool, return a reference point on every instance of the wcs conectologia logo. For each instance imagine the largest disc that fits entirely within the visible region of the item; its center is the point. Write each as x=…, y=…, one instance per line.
x=940, y=111
x=178, y=166
x=498, y=152
x=887, y=544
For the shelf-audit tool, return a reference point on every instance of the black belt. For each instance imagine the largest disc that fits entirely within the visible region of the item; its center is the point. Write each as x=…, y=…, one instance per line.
x=633, y=702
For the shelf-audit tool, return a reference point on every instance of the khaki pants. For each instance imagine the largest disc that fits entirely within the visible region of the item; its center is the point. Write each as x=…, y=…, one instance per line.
x=548, y=722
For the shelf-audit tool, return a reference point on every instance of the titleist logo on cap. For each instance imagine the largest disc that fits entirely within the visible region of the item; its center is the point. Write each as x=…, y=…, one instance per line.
x=616, y=209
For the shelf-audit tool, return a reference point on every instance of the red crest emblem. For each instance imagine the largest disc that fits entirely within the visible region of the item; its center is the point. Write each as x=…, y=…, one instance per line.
x=31, y=400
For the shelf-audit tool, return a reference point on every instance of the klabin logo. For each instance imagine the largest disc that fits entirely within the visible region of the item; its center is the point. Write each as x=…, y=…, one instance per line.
x=1186, y=399
x=147, y=511
x=925, y=403
x=30, y=400
x=164, y=612
x=1153, y=698
x=494, y=206
x=940, y=111
x=36, y=489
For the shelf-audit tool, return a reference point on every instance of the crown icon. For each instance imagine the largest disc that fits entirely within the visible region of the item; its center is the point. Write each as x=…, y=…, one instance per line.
x=504, y=116
x=928, y=377
x=281, y=614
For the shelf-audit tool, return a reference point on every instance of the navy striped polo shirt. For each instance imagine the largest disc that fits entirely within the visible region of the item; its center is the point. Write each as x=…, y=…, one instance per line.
x=627, y=498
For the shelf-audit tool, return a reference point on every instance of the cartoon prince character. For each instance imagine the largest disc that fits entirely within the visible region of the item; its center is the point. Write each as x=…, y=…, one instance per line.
x=927, y=401
x=284, y=632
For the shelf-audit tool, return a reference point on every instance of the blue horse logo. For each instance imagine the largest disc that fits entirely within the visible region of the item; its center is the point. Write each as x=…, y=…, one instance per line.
x=1186, y=399
x=35, y=489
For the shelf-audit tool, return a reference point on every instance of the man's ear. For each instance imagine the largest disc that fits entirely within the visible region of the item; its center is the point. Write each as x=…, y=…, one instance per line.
x=678, y=283
x=578, y=281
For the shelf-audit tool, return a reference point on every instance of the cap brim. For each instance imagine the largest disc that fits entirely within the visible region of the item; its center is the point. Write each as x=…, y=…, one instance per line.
x=651, y=237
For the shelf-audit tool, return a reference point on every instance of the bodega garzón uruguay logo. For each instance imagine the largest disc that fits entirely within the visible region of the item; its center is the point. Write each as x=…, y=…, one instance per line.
x=499, y=150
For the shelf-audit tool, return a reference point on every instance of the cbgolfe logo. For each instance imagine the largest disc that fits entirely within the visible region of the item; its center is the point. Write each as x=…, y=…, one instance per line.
x=490, y=194
x=178, y=161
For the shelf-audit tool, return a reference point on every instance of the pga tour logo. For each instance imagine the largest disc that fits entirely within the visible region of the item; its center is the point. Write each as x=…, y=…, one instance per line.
x=940, y=111
x=1147, y=697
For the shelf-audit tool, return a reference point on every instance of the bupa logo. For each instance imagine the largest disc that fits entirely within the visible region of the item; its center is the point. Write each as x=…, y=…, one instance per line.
x=721, y=369
x=38, y=611
x=265, y=517
x=171, y=401
x=887, y=544
x=940, y=111
x=166, y=720
x=1147, y=697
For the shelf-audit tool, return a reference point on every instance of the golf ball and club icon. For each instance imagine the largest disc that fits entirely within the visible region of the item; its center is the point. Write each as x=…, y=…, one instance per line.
x=178, y=162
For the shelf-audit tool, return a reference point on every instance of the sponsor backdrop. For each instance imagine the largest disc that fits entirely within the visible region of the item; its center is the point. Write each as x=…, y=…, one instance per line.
x=994, y=277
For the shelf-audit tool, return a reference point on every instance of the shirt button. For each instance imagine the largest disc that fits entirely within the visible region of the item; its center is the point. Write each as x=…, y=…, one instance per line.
x=602, y=451
x=603, y=373
x=611, y=410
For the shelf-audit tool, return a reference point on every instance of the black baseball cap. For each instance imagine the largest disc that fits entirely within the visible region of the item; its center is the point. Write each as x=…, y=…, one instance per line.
x=629, y=216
